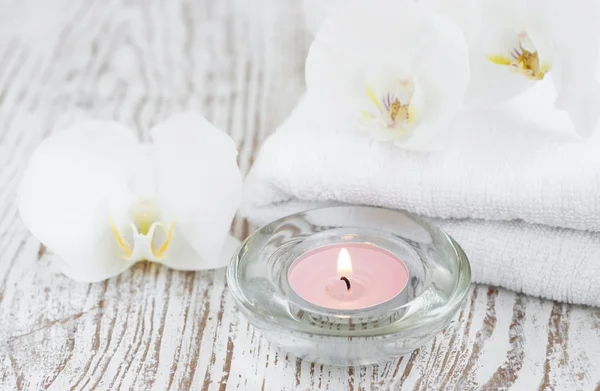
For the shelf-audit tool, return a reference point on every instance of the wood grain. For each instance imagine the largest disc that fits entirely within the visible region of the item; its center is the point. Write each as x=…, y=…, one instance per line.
x=240, y=63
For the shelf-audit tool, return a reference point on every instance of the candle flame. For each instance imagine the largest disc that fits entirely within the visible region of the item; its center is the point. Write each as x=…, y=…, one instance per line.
x=344, y=264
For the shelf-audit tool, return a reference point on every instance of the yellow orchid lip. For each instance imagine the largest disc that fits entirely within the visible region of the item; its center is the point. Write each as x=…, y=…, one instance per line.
x=157, y=253
x=524, y=63
x=523, y=58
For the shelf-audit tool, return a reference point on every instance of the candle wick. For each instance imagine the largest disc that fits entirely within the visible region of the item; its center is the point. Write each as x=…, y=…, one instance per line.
x=346, y=281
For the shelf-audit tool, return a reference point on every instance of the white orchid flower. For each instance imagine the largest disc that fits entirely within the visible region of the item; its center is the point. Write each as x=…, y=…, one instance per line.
x=102, y=201
x=519, y=43
x=393, y=70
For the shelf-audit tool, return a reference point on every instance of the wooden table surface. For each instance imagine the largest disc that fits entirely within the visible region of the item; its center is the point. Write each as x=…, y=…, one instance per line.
x=240, y=63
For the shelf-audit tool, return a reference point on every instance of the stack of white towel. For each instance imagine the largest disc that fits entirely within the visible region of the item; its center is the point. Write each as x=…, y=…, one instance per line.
x=514, y=186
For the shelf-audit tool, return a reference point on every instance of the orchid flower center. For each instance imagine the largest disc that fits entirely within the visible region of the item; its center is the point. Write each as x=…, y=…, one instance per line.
x=523, y=58
x=151, y=238
x=391, y=108
x=144, y=213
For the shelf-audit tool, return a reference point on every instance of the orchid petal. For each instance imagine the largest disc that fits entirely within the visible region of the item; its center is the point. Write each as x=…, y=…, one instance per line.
x=465, y=13
x=334, y=82
x=574, y=31
x=93, y=263
x=417, y=105
x=543, y=46
x=200, y=187
x=503, y=14
x=443, y=86
x=64, y=195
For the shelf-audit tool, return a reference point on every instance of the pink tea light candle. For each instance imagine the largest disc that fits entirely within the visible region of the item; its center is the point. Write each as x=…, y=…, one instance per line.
x=348, y=276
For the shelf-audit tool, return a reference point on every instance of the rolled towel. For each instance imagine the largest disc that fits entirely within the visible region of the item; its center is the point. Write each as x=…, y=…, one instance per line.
x=513, y=185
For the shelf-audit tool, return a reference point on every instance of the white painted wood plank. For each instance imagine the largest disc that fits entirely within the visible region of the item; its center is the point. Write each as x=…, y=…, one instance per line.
x=241, y=64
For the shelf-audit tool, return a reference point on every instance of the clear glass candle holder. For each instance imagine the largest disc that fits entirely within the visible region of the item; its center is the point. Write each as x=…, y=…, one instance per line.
x=439, y=279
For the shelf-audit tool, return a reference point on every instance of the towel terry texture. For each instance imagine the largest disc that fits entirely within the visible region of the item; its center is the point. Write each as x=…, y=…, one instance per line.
x=513, y=185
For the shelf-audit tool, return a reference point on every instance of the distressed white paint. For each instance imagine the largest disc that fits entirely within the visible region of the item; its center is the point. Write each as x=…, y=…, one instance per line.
x=240, y=63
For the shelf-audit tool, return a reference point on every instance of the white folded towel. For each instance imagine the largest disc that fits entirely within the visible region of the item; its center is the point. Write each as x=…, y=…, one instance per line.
x=514, y=186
